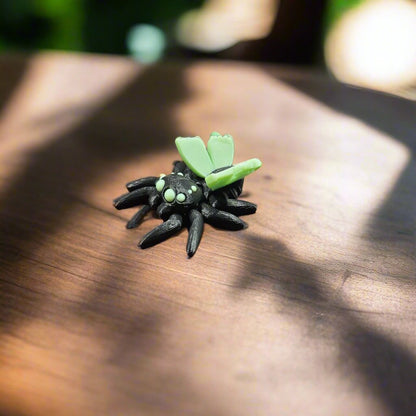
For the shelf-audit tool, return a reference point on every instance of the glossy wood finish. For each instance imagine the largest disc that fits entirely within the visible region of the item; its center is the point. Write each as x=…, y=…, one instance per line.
x=309, y=311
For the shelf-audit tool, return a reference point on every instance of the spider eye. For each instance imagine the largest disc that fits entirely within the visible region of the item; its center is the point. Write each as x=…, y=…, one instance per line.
x=180, y=197
x=169, y=195
x=160, y=184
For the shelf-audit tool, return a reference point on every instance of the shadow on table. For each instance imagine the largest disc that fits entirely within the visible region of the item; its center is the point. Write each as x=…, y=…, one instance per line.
x=395, y=219
x=41, y=195
x=380, y=363
x=39, y=198
x=15, y=67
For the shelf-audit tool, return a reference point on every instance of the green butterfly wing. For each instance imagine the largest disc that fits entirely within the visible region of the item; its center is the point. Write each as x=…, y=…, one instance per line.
x=195, y=155
x=221, y=150
x=232, y=174
x=220, y=154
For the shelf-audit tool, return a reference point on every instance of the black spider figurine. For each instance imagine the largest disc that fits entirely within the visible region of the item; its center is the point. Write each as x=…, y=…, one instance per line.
x=202, y=188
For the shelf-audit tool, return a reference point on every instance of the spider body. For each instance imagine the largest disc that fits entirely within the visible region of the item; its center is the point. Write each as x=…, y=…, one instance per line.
x=184, y=199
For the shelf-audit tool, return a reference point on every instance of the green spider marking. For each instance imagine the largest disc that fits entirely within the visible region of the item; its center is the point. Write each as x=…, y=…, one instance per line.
x=160, y=184
x=180, y=197
x=169, y=195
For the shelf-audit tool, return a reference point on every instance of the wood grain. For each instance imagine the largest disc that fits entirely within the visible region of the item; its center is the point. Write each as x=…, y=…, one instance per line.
x=309, y=311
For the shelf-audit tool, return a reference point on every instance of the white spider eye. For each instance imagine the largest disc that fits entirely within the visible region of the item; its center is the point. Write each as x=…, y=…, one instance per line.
x=180, y=197
x=180, y=173
x=169, y=195
x=160, y=184
x=194, y=188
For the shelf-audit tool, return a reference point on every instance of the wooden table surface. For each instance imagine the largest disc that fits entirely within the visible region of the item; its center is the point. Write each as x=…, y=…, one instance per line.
x=309, y=311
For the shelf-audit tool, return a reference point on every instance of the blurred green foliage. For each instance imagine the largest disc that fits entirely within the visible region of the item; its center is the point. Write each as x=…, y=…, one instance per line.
x=82, y=25
x=336, y=8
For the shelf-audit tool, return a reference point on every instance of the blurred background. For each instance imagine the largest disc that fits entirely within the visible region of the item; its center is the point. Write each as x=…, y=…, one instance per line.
x=370, y=43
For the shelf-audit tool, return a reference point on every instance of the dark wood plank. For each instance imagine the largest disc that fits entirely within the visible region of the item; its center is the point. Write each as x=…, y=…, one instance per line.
x=309, y=311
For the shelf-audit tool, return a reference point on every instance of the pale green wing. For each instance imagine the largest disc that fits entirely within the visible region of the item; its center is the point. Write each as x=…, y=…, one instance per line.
x=221, y=150
x=232, y=174
x=195, y=155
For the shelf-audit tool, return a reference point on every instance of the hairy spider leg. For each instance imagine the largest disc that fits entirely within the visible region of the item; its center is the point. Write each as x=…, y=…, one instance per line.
x=221, y=219
x=196, y=228
x=141, y=183
x=162, y=232
x=137, y=197
x=138, y=216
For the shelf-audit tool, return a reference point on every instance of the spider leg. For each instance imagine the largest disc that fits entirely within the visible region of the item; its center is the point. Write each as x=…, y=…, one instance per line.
x=133, y=198
x=178, y=166
x=234, y=190
x=162, y=232
x=239, y=207
x=138, y=216
x=234, y=206
x=154, y=199
x=196, y=229
x=141, y=183
x=218, y=200
x=221, y=219
x=164, y=211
